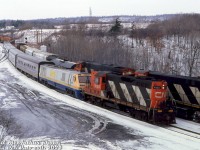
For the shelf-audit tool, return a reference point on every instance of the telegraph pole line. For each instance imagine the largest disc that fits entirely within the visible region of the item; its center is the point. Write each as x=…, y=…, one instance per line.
x=41, y=35
x=90, y=12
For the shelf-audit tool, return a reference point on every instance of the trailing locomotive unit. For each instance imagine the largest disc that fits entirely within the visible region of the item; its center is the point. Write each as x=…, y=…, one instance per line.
x=145, y=98
x=66, y=80
x=186, y=93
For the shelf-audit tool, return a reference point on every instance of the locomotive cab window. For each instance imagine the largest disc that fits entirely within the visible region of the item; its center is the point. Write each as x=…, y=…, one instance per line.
x=83, y=79
x=103, y=79
x=96, y=80
x=160, y=87
x=157, y=87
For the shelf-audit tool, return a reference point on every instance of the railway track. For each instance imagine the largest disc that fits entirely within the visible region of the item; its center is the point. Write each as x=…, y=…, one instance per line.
x=184, y=131
x=187, y=127
x=172, y=127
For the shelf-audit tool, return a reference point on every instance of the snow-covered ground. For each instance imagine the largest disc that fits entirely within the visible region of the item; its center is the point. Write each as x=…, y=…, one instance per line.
x=188, y=125
x=41, y=113
x=35, y=36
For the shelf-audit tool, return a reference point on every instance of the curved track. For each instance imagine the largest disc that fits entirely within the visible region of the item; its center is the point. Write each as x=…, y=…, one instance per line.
x=184, y=131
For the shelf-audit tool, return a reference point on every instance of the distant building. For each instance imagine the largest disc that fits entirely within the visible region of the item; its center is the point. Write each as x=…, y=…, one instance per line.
x=9, y=27
x=43, y=48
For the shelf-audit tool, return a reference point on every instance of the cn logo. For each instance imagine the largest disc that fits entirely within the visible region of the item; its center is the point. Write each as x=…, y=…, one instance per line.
x=159, y=94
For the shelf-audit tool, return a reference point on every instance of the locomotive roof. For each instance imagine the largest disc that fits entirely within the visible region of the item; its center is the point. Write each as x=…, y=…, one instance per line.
x=33, y=59
x=130, y=78
x=15, y=51
x=62, y=69
x=63, y=63
x=101, y=73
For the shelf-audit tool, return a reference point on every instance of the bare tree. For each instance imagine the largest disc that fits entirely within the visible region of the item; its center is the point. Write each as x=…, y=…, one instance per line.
x=193, y=53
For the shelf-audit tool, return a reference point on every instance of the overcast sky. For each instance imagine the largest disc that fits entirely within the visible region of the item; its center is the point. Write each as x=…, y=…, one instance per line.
x=34, y=9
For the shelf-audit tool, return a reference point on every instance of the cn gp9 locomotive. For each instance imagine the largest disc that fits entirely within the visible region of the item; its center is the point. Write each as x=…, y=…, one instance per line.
x=143, y=97
x=185, y=91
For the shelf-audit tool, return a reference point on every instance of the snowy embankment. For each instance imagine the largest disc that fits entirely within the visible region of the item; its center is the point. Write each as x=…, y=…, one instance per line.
x=155, y=137
x=187, y=125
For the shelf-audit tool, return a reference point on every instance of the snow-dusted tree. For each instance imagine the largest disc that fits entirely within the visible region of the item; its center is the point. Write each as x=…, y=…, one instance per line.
x=193, y=53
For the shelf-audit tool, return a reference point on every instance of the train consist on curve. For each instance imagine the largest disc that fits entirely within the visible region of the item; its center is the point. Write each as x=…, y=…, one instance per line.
x=46, y=72
x=142, y=96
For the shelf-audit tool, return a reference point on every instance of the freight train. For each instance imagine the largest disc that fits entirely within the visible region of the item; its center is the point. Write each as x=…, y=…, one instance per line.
x=143, y=97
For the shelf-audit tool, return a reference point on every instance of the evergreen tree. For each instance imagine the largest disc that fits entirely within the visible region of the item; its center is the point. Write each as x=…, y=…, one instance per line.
x=116, y=28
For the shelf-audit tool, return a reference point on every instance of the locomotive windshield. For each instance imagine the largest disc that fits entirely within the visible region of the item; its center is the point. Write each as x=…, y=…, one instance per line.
x=84, y=79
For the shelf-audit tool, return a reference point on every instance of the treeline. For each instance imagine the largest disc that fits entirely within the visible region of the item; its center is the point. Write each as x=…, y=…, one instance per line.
x=21, y=24
x=178, y=38
x=76, y=45
x=15, y=23
x=171, y=46
x=179, y=26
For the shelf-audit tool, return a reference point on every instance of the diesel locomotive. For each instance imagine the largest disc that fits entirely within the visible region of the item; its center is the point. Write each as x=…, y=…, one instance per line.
x=143, y=97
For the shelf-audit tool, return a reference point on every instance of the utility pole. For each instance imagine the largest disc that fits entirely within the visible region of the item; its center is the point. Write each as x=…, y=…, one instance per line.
x=90, y=12
x=37, y=36
x=41, y=35
x=132, y=30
